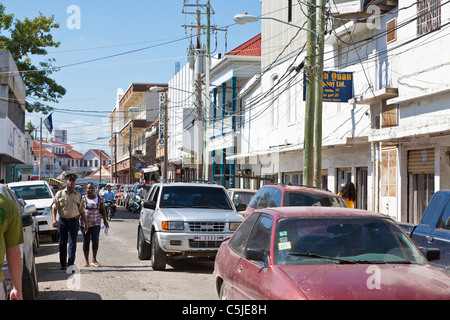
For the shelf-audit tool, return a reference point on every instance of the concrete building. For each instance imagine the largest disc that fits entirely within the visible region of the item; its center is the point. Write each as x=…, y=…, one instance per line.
x=15, y=143
x=136, y=110
x=391, y=138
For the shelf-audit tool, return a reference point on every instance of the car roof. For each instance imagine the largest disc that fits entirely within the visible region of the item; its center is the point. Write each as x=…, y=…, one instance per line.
x=189, y=184
x=242, y=190
x=294, y=188
x=27, y=183
x=282, y=212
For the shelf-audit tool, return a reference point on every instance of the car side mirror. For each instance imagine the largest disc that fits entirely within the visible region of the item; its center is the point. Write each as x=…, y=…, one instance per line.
x=257, y=255
x=432, y=254
x=27, y=220
x=31, y=209
x=149, y=204
x=241, y=207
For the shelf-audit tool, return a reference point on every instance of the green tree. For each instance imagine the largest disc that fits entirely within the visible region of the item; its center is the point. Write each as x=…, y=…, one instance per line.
x=30, y=127
x=26, y=38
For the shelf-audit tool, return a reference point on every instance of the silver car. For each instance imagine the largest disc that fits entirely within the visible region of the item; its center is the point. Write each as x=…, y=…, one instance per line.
x=184, y=220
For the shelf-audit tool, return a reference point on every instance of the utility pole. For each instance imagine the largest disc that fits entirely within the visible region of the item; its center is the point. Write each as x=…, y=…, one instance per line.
x=319, y=95
x=130, y=132
x=310, y=74
x=201, y=66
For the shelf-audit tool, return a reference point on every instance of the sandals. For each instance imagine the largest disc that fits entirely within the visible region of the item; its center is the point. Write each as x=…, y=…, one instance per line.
x=95, y=264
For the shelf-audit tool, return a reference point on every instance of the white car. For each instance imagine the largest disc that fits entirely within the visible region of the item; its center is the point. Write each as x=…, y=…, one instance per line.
x=40, y=194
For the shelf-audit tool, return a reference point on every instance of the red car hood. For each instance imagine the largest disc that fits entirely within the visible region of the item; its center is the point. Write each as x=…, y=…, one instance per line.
x=365, y=281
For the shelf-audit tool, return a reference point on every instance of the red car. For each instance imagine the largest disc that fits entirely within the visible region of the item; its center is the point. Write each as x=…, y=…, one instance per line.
x=293, y=196
x=324, y=253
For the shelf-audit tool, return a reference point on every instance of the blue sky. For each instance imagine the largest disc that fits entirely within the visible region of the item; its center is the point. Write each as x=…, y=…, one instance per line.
x=115, y=28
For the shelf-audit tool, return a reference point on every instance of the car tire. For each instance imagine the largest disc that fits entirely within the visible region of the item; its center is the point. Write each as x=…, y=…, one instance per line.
x=28, y=292
x=144, y=249
x=159, y=257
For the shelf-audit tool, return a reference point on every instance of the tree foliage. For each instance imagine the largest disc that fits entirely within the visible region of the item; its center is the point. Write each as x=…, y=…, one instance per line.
x=24, y=39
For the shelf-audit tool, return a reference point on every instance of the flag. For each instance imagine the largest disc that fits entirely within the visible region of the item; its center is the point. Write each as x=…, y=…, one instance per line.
x=49, y=123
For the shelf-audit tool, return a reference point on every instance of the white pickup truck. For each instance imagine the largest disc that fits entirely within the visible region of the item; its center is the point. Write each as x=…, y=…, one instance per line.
x=184, y=220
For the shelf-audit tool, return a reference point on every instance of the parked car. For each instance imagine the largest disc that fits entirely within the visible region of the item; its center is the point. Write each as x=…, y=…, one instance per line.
x=433, y=231
x=30, y=288
x=40, y=194
x=239, y=196
x=324, y=253
x=289, y=196
x=184, y=220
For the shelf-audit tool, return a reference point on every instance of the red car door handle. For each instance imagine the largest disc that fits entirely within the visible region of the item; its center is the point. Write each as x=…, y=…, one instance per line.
x=239, y=268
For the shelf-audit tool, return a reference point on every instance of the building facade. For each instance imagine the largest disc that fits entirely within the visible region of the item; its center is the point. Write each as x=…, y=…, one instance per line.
x=131, y=121
x=392, y=136
x=15, y=143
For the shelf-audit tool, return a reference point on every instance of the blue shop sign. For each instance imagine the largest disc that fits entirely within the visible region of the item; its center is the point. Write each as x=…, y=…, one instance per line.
x=337, y=86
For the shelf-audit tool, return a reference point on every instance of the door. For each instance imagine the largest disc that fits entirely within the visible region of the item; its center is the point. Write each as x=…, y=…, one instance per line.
x=439, y=237
x=251, y=273
x=148, y=213
x=428, y=222
x=361, y=188
x=229, y=261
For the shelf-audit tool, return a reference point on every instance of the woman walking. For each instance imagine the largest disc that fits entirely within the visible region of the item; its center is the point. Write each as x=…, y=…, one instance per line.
x=95, y=211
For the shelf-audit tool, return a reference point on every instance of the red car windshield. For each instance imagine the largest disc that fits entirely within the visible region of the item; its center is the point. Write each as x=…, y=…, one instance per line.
x=328, y=240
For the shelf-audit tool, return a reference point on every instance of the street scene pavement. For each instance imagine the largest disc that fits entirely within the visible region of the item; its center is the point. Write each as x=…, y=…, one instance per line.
x=121, y=276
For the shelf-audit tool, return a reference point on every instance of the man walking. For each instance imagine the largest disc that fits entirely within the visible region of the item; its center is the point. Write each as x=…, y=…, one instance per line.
x=70, y=206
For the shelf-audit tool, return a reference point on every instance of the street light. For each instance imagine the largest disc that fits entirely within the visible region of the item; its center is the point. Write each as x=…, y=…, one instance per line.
x=166, y=115
x=247, y=18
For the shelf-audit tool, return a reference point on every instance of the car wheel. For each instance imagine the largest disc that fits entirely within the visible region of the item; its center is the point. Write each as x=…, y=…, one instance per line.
x=222, y=292
x=144, y=249
x=159, y=258
x=27, y=284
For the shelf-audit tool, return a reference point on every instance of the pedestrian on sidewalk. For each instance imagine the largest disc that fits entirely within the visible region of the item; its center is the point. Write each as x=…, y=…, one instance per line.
x=348, y=193
x=11, y=236
x=95, y=211
x=69, y=205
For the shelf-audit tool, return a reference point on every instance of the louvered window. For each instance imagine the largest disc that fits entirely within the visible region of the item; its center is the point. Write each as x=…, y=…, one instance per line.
x=428, y=16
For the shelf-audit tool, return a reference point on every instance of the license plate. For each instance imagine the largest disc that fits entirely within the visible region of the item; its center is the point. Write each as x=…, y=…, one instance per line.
x=209, y=238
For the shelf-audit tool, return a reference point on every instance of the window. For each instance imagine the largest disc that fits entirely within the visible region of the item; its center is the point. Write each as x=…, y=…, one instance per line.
x=264, y=197
x=428, y=16
x=239, y=240
x=276, y=199
x=289, y=11
x=261, y=234
x=431, y=209
x=444, y=221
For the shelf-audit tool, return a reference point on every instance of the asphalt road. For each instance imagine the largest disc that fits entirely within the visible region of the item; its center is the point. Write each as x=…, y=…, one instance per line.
x=121, y=276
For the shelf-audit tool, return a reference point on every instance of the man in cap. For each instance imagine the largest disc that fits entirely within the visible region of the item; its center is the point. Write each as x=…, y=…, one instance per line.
x=69, y=205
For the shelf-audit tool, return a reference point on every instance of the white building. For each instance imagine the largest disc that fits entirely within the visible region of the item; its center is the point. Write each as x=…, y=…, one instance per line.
x=15, y=144
x=392, y=138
